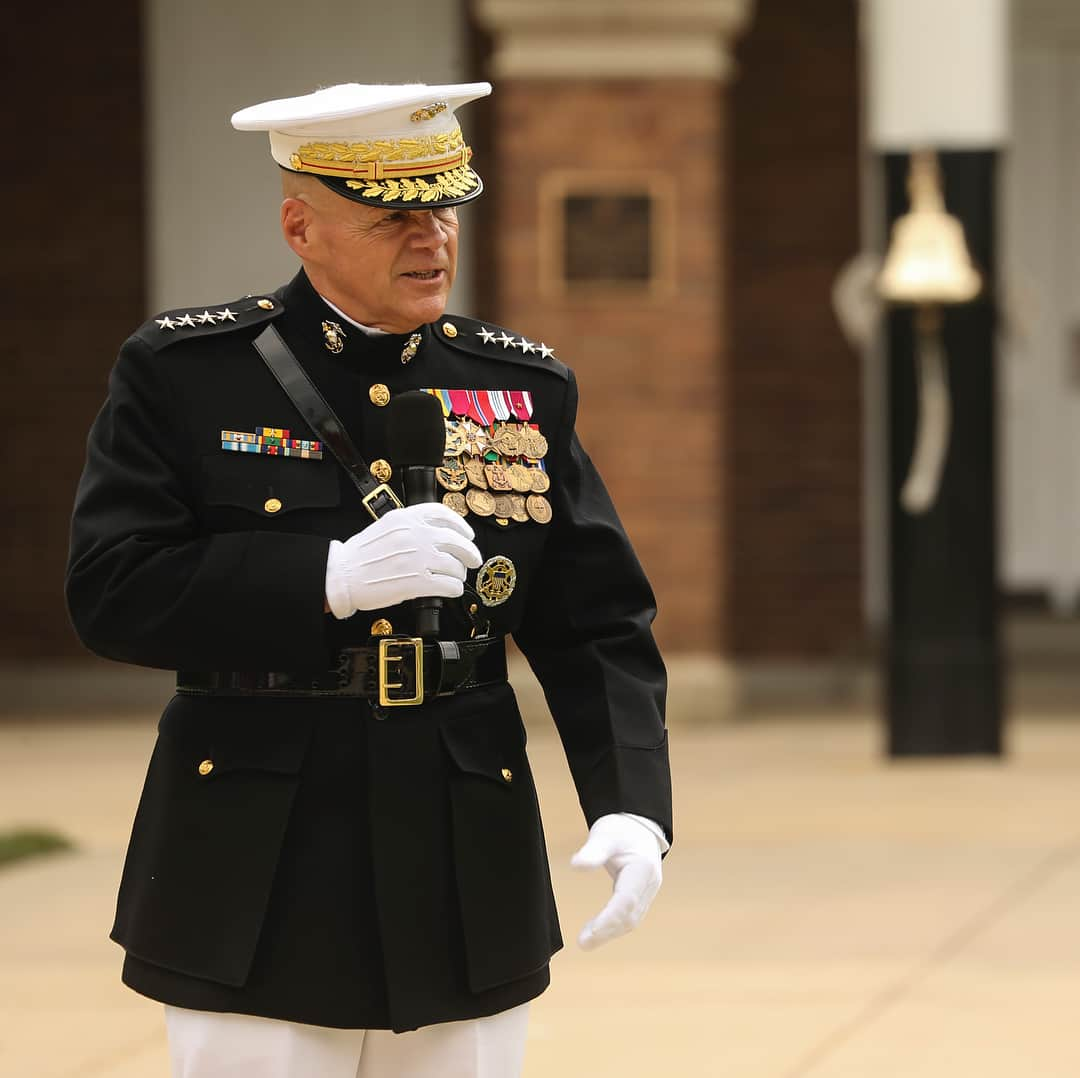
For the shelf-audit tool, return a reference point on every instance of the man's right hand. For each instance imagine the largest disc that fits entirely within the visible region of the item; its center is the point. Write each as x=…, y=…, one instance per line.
x=417, y=551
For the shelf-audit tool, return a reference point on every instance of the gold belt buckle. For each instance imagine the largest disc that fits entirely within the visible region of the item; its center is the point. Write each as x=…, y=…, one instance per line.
x=388, y=645
x=382, y=490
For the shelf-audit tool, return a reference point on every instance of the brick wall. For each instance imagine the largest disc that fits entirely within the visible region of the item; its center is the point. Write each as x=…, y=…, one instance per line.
x=794, y=433
x=72, y=284
x=649, y=369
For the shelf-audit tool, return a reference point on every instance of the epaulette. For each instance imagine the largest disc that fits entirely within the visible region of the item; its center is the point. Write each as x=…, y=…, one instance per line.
x=493, y=342
x=186, y=324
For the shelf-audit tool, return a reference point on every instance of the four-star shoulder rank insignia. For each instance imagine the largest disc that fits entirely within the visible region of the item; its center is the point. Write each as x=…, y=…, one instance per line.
x=170, y=326
x=523, y=344
x=494, y=342
x=190, y=320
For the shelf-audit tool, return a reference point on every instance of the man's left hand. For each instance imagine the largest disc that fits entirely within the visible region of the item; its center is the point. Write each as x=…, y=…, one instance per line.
x=630, y=851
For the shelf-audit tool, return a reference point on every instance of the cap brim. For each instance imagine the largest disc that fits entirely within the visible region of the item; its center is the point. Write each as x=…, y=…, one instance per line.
x=421, y=193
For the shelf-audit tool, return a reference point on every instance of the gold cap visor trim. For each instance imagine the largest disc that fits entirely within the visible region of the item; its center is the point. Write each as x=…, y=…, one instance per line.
x=380, y=170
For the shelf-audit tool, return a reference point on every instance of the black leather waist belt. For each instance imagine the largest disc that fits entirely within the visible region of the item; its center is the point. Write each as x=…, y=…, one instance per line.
x=397, y=672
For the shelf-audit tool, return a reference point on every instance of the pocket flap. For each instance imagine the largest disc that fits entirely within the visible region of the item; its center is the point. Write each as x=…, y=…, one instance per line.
x=235, y=735
x=270, y=486
x=487, y=745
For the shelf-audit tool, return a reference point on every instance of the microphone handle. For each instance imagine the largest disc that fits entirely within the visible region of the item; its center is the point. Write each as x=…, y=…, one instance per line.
x=419, y=484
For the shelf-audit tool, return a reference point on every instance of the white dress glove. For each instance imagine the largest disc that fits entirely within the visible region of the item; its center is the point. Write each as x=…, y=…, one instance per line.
x=629, y=847
x=417, y=551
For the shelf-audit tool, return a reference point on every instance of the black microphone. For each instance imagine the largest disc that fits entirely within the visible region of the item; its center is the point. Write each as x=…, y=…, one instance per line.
x=417, y=443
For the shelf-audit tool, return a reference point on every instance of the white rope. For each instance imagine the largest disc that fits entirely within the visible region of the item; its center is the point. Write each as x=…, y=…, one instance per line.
x=934, y=424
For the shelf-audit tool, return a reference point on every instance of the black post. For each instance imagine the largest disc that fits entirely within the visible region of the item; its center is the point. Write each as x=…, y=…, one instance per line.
x=944, y=676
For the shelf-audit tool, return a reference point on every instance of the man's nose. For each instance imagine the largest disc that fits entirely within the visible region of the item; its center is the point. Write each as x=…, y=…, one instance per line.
x=428, y=229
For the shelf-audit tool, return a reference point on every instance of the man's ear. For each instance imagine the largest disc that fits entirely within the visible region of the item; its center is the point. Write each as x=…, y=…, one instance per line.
x=296, y=219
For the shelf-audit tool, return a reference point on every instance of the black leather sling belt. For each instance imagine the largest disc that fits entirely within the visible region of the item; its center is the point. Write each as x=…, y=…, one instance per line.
x=377, y=497
x=419, y=670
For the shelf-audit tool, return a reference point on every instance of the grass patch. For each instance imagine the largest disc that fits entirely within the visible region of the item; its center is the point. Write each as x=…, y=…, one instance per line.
x=28, y=842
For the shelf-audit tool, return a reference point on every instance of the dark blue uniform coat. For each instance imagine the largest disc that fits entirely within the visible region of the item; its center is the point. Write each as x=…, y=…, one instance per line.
x=334, y=868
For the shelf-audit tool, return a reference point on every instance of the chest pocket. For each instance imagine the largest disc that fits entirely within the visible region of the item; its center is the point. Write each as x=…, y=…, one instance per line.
x=269, y=486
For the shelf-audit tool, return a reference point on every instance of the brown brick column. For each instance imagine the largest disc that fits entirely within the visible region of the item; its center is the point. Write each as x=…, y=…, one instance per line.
x=795, y=430
x=614, y=89
x=73, y=288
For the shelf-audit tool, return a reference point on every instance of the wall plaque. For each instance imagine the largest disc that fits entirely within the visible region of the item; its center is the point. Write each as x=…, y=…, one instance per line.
x=603, y=233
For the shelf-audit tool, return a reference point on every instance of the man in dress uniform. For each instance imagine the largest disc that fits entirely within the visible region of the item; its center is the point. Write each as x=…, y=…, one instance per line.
x=337, y=866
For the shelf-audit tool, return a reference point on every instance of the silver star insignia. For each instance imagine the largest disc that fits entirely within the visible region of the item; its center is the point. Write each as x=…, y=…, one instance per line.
x=166, y=323
x=226, y=316
x=505, y=340
x=204, y=318
x=522, y=344
x=186, y=320
x=546, y=352
x=486, y=335
x=527, y=346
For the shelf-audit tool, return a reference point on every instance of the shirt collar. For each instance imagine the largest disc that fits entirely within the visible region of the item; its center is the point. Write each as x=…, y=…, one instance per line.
x=371, y=331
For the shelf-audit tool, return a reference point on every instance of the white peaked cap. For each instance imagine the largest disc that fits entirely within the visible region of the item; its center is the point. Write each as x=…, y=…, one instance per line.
x=390, y=145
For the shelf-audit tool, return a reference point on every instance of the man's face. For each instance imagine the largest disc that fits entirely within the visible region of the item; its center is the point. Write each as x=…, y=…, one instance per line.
x=387, y=268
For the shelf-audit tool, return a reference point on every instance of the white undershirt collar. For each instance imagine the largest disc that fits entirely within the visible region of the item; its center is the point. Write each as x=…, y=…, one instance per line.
x=371, y=331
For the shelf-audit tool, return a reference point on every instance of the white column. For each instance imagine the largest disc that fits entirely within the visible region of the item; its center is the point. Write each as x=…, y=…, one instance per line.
x=613, y=38
x=938, y=73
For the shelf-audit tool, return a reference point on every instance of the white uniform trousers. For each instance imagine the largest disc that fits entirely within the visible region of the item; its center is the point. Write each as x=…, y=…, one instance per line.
x=203, y=1044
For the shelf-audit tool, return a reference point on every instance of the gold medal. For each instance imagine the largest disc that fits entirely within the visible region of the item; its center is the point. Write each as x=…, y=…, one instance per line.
x=519, y=477
x=476, y=438
x=451, y=475
x=504, y=507
x=455, y=439
x=495, y=581
x=518, y=511
x=538, y=508
x=456, y=501
x=507, y=440
x=533, y=443
x=474, y=469
x=540, y=481
x=497, y=477
x=481, y=502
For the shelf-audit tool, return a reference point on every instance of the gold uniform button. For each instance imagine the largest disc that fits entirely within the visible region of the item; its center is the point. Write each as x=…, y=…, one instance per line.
x=449, y=329
x=381, y=628
x=507, y=774
x=266, y=304
x=206, y=767
x=379, y=394
x=272, y=505
x=381, y=470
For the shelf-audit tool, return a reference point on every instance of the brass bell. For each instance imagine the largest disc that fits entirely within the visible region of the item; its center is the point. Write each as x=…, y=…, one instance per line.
x=928, y=260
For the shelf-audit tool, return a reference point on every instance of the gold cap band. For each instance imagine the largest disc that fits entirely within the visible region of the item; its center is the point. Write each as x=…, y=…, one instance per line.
x=376, y=170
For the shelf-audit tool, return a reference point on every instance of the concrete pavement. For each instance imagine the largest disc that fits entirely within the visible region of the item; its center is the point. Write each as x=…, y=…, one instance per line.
x=825, y=913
